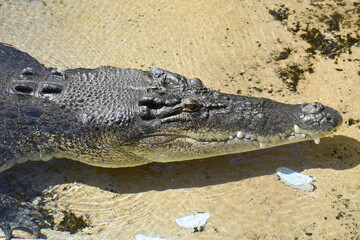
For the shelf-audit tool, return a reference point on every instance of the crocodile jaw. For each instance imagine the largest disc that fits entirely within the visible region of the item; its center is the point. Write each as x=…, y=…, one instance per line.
x=187, y=148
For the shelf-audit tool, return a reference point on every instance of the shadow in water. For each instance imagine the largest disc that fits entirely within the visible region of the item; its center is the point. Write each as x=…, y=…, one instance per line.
x=30, y=179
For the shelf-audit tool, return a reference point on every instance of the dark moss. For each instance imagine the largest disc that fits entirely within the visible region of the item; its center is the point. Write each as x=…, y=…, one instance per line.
x=292, y=75
x=318, y=42
x=334, y=21
x=336, y=37
x=280, y=14
x=352, y=121
x=349, y=40
x=325, y=46
x=296, y=28
x=319, y=6
x=71, y=223
x=283, y=54
x=257, y=89
x=199, y=229
x=340, y=215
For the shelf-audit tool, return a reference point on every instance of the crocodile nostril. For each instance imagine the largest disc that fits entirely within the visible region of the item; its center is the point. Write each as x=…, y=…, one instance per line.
x=312, y=107
x=329, y=117
x=191, y=105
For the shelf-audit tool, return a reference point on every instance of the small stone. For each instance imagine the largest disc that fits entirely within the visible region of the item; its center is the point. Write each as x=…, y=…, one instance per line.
x=295, y=179
x=193, y=221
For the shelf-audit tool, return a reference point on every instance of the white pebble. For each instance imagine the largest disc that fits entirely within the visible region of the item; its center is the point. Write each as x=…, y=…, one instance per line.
x=295, y=179
x=193, y=221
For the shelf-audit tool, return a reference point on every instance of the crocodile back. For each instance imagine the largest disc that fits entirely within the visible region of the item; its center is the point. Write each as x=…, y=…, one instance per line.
x=105, y=96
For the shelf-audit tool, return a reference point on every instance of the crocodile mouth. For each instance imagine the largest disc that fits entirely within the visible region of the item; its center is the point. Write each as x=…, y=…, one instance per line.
x=172, y=147
x=290, y=136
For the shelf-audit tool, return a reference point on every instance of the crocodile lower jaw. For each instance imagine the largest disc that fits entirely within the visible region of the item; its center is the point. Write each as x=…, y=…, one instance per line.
x=295, y=135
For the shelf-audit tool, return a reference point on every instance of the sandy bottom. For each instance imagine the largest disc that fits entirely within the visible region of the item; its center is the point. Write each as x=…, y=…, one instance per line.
x=290, y=51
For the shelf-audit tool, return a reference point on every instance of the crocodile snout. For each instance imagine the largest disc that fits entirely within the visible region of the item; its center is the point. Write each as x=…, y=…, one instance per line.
x=314, y=107
x=316, y=116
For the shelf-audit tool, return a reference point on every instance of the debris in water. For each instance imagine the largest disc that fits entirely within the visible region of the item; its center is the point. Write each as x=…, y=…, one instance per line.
x=143, y=237
x=295, y=179
x=193, y=221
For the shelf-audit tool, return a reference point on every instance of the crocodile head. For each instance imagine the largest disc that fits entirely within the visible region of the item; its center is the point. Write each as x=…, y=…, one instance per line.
x=115, y=117
x=182, y=119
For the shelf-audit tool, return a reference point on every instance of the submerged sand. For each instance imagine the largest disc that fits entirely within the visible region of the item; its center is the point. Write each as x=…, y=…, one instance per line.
x=290, y=51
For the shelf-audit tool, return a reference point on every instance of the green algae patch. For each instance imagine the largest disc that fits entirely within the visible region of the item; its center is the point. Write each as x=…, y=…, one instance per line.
x=280, y=14
x=283, y=54
x=291, y=76
x=71, y=223
x=333, y=47
x=330, y=28
x=334, y=21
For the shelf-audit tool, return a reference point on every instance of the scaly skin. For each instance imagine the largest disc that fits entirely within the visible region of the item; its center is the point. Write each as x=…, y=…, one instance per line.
x=113, y=117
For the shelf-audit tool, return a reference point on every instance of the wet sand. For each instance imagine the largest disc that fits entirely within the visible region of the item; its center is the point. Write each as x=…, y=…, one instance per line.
x=296, y=52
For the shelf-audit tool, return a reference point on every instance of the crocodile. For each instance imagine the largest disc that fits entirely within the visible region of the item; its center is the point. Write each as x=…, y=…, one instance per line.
x=120, y=117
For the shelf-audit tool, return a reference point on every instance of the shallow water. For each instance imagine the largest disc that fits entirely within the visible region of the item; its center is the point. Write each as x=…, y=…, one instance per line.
x=232, y=46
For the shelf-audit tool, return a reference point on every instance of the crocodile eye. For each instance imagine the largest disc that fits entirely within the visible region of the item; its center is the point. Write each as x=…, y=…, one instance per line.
x=191, y=105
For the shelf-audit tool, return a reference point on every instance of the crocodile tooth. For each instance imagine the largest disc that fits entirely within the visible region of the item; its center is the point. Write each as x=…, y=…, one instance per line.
x=316, y=140
x=291, y=137
x=297, y=129
x=300, y=135
x=239, y=134
x=262, y=145
x=231, y=137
